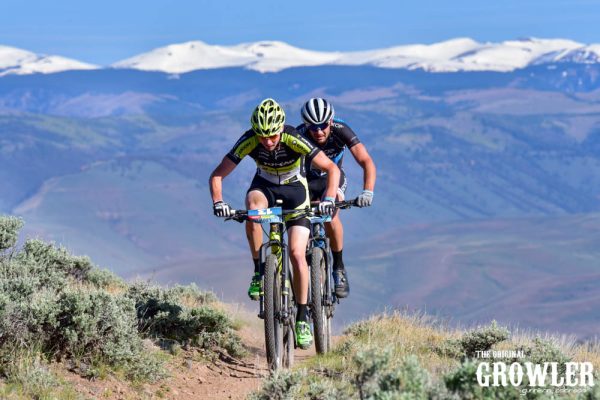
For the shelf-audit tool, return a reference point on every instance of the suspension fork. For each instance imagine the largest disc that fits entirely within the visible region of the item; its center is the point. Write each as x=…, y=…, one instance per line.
x=324, y=242
x=280, y=251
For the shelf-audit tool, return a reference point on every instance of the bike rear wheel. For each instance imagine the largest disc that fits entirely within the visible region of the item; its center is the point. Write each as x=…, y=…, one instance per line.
x=321, y=320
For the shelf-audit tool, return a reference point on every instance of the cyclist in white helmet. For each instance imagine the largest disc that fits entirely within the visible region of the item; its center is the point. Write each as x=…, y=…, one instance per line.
x=333, y=136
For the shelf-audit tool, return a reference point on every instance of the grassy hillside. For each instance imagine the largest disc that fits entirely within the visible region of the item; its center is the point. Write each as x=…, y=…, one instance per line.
x=66, y=327
x=58, y=313
x=399, y=356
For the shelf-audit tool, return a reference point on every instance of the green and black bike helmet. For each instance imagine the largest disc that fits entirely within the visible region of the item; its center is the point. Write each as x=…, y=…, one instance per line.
x=268, y=118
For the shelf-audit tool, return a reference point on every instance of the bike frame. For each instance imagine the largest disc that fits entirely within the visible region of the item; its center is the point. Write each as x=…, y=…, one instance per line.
x=319, y=239
x=277, y=246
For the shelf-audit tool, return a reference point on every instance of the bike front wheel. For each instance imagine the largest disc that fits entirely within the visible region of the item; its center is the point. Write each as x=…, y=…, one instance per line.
x=275, y=329
x=321, y=318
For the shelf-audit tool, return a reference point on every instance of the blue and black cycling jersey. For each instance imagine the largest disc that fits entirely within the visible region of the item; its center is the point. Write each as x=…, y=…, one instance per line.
x=341, y=136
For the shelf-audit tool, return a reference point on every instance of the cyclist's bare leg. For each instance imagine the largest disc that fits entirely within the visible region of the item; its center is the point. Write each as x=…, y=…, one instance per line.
x=335, y=232
x=298, y=238
x=335, y=229
x=255, y=199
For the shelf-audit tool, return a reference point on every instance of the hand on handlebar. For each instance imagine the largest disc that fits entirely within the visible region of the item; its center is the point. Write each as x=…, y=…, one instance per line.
x=365, y=199
x=222, y=209
x=327, y=206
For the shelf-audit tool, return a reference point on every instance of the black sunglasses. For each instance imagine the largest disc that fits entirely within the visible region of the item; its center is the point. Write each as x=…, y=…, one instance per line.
x=317, y=127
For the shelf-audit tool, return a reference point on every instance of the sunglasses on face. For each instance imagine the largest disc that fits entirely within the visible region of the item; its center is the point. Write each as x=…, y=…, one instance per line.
x=318, y=127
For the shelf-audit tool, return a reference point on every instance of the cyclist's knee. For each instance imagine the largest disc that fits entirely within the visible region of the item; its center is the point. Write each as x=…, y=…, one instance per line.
x=256, y=199
x=298, y=254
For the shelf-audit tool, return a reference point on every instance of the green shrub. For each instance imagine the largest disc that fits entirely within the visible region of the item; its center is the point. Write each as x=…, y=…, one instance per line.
x=27, y=322
x=162, y=315
x=9, y=231
x=96, y=324
x=541, y=351
x=592, y=393
x=378, y=376
x=104, y=279
x=52, y=262
x=192, y=294
x=322, y=389
x=283, y=385
x=451, y=348
x=463, y=382
x=359, y=329
x=483, y=339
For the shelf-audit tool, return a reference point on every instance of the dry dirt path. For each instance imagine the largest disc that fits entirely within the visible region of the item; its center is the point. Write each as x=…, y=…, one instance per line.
x=194, y=377
x=234, y=379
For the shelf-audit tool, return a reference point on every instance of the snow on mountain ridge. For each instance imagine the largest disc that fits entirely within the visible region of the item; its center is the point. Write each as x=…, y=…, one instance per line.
x=273, y=56
x=23, y=62
x=460, y=54
x=513, y=54
x=265, y=56
x=583, y=55
x=185, y=57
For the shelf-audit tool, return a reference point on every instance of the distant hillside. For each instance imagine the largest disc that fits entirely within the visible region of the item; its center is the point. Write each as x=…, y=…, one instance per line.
x=532, y=273
x=115, y=163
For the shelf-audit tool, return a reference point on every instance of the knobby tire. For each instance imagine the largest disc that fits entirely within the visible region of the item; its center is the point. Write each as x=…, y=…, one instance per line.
x=320, y=318
x=272, y=304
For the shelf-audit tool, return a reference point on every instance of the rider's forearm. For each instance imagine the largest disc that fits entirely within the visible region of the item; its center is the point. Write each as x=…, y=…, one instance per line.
x=369, y=174
x=333, y=181
x=215, y=182
x=216, y=187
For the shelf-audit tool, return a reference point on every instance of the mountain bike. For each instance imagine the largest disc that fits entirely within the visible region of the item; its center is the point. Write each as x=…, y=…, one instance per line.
x=276, y=302
x=321, y=289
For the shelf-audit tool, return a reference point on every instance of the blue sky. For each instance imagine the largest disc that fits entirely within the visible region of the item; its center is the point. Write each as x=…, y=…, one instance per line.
x=106, y=31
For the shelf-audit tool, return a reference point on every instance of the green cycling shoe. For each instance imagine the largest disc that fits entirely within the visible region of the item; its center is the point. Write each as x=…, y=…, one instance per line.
x=254, y=289
x=304, y=336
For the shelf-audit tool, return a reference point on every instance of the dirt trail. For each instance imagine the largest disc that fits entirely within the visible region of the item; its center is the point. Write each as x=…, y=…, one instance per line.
x=231, y=379
x=194, y=378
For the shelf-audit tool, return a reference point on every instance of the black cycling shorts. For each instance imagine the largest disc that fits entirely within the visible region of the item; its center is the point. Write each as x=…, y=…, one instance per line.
x=294, y=196
x=318, y=185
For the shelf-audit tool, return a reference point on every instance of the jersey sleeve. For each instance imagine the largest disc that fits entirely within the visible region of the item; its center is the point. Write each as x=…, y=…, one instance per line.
x=243, y=147
x=347, y=135
x=300, y=144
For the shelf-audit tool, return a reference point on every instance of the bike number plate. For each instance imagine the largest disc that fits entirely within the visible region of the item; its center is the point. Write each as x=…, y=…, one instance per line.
x=322, y=218
x=267, y=215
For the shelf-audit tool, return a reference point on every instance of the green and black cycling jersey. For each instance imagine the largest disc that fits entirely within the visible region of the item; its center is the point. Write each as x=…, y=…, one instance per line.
x=341, y=136
x=283, y=165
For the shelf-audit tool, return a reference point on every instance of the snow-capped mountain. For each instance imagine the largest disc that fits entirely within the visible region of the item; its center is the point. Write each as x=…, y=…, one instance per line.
x=462, y=54
x=21, y=62
x=267, y=56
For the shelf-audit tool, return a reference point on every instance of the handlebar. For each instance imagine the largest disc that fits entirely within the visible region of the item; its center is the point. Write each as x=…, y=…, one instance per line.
x=242, y=215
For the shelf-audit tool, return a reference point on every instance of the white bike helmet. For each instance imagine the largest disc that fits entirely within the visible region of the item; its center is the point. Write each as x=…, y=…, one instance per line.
x=317, y=111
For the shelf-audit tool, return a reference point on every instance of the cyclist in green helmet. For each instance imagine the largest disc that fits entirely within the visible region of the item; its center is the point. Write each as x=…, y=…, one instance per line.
x=281, y=157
